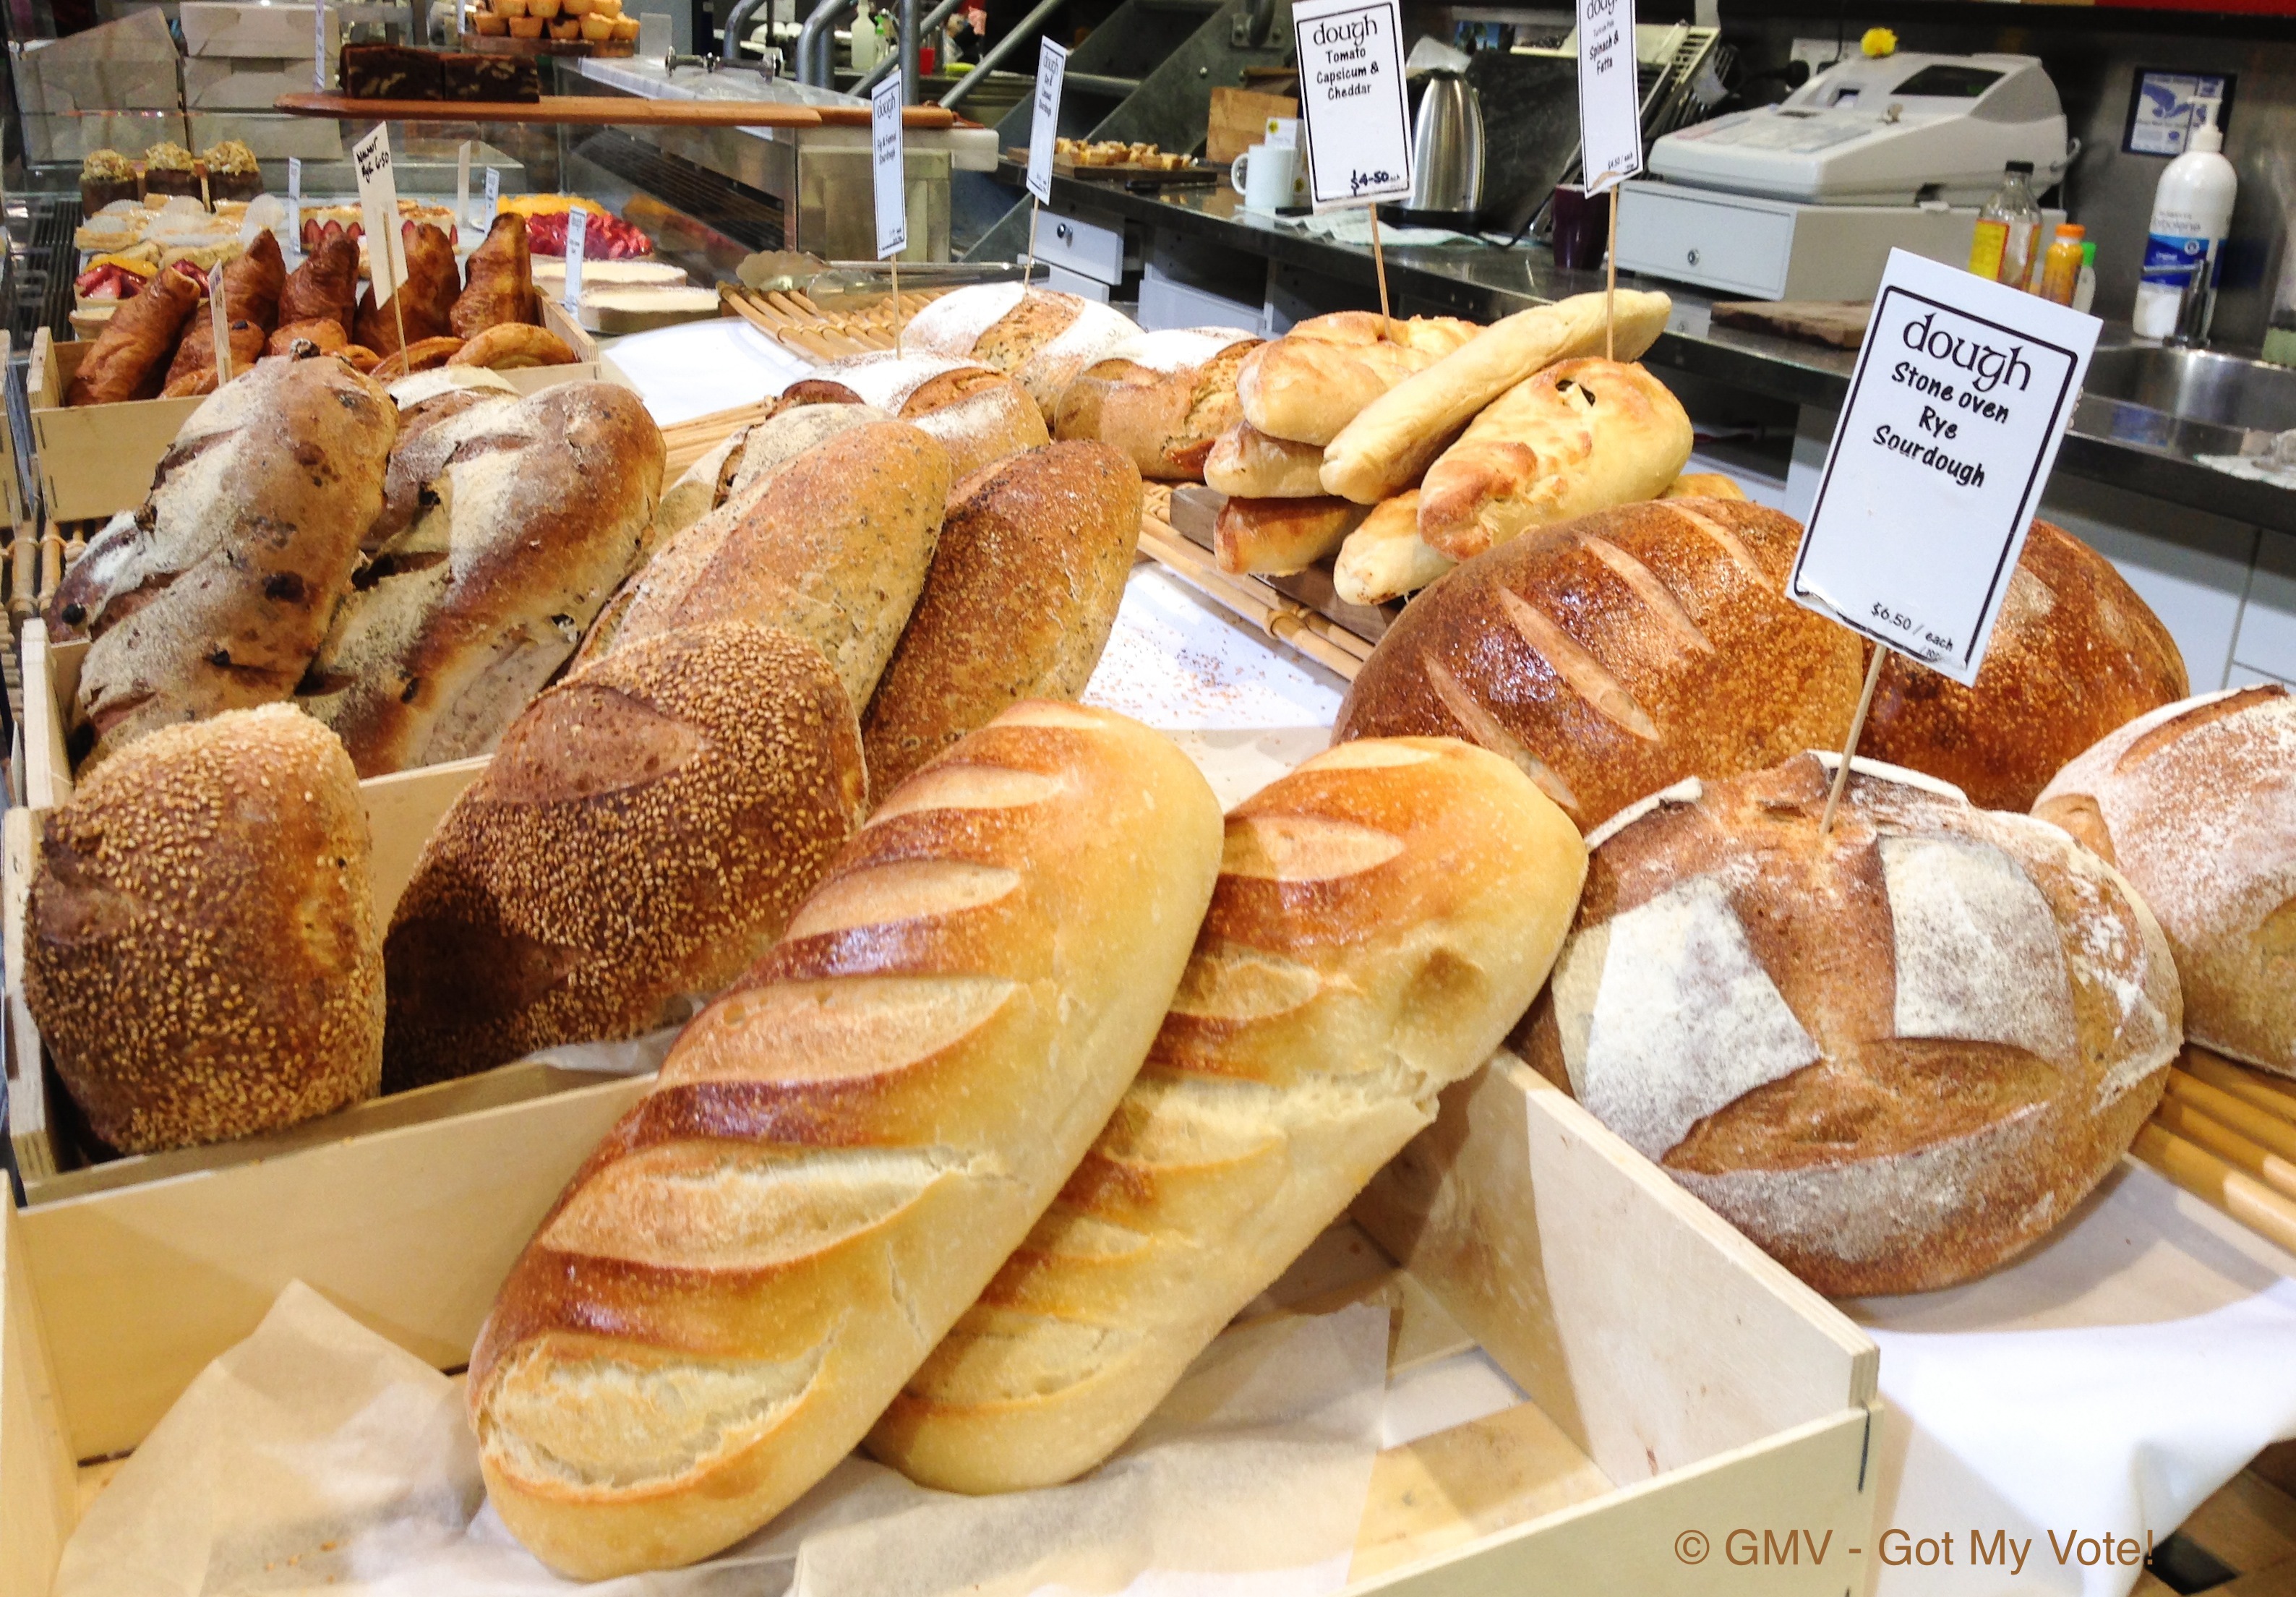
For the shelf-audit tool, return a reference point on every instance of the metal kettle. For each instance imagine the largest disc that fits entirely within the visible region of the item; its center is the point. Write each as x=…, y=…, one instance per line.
x=1447, y=148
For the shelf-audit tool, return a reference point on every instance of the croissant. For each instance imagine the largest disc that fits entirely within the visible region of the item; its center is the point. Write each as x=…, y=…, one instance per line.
x=501, y=286
x=252, y=283
x=129, y=360
x=326, y=285
x=195, y=356
x=425, y=301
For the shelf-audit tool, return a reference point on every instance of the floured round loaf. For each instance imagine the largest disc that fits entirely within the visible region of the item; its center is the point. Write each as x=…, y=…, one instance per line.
x=1161, y=397
x=2196, y=805
x=1893, y=1055
x=2075, y=654
x=1616, y=653
x=841, y=1151
x=201, y=949
x=977, y=415
x=1383, y=914
x=642, y=834
x=1040, y=337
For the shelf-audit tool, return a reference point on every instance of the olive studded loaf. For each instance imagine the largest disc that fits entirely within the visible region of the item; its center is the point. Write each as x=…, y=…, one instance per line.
x=1383, y=914
x=840, y=1152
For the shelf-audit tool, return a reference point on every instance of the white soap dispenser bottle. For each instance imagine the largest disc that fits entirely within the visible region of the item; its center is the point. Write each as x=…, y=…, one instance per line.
x=2192, y=212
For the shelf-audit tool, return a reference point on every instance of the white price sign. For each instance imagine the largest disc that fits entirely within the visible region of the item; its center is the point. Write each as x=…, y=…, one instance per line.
x=1352, y=99
x=319, y=48
x=462, y=183
x=1051, y=68
x=885, y=166
x=493, y=196
x=1610, y=99
x=378, y=191
x=295, y=201
x=1955, y=410
x=577, y=240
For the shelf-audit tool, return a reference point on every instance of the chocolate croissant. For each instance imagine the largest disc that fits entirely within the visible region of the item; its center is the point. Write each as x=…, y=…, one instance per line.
x=501, y=286
x=326, y=285
x=130, y=357
x=425, y=300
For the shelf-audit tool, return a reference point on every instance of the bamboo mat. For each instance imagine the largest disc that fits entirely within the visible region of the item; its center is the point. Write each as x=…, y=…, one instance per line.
x=797, y=323
x=2226, y=1134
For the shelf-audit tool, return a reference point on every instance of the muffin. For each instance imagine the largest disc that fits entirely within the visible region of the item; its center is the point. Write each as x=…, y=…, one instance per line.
x=231, y=171
x=169, y=169
x=105, y=176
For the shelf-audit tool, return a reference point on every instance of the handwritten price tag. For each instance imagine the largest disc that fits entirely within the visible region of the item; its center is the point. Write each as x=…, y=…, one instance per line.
x=1609, y=99
x=578, y=249
x=1959, y=401
x=885, y=169
x=1051, y=70
x=1351, y=99
x=378, y=191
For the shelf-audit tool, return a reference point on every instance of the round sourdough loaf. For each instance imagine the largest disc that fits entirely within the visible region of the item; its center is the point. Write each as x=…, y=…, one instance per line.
x=643, y=833
x=980, y=416
x=2075, y=654
x=201, y=949
x=2196, y=805
x=1040, y=337
x=1894, y=1054
x=1614, y=654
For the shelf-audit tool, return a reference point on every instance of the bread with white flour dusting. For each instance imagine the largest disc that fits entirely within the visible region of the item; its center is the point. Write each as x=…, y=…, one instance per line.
x=1894, y=1054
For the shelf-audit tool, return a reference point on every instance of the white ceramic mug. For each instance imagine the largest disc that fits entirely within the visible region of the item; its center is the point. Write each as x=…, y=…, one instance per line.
x=1263, y=175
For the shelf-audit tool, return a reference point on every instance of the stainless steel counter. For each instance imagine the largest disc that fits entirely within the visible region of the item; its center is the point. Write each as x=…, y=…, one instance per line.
x=2122, y=445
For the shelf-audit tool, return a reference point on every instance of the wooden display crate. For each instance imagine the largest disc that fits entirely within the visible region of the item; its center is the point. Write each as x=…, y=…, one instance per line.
x=1681, y=1386
x=97, y=460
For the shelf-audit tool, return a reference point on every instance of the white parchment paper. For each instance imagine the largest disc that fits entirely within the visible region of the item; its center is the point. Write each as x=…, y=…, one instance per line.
x=317, y=1458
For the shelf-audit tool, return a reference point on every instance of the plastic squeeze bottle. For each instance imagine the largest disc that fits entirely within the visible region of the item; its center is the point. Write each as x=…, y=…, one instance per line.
x=2060, y=267
x=2192, y=212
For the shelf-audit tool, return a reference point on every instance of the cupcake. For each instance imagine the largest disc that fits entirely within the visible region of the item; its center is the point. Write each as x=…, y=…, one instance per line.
x=167, y=169
x=231, y=171
x=105, y=176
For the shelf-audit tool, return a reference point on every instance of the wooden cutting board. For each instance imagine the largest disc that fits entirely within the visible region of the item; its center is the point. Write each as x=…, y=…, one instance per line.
x=1239, y=121
x=1841, y=323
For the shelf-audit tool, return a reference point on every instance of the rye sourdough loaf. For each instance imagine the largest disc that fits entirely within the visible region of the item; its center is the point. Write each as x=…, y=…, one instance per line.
x=1023, y=588
x=976, y=414
x=642, y=834
x=2075, y=654
x=201, y=949
x=1161, y=397
x=1383, y=914
x=749, y=455
x=1893, y=1055
x=842, y=1151
x=1618, y=654
x=241, y=553
x=538, y=509
x=1311, y=382
x=2195, y=804
x=1041, y=337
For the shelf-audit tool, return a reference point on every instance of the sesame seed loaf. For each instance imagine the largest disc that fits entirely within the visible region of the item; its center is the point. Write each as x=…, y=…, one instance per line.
x=1161, y=397
x=201, y=949
x=539, y=509
x=977, y=415
x=832, y=543
x=840, y=1152
x=1382, y=916
x=1895, y=1055
x=642, y=833
x=2075, y=654
x=1022, y=591
x=1616, y=653
x=2195, y=804
x=247, y=543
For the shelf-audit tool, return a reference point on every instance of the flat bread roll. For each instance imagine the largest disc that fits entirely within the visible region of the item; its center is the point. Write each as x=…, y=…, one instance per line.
x=1161, y=397
x=1384, y=558
x=841, y=1151
x=1400, y=901
x=1247, y=463
x=977, y=415
x=2195, y=804
x=1894, y=1054
x=1580, y=435
x=642, y=834
x=1387, y=445
x=1277, y=536
x=1317, y=377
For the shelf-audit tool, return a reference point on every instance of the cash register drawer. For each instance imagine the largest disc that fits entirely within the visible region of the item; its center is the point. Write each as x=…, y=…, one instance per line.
x=1094, y=250
x=1726, y=244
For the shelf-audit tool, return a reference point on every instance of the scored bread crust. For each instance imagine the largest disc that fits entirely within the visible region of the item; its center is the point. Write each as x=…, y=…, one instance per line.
x=2195, y=803
x=1310, y=383
x=537, y=510
x=1023, y=588
x=1580, y=435
x=1163, y=397
x=2074, y=654
x=1277, y=536
x=840, y=1152
x=201, y=949
x=1247, y=463
x=1895, y=1055
x=246, y=544
x=1616, y=653
x=980, y=416
x=1383, y=914
x=642, y=833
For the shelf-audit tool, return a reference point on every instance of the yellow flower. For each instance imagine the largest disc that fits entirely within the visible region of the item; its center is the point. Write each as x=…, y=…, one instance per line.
x=1878, y=42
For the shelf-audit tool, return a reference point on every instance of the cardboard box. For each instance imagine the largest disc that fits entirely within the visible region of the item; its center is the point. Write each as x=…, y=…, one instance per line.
x=244, y=83
x=271, y=137
x=281, y=32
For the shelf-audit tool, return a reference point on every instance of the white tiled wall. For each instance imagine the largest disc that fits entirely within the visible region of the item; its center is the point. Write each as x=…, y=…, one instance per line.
x=2194, y=569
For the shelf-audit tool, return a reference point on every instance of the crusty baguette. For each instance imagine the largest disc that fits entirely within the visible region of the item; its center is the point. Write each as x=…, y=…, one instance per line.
x=1163, y=397
x=1389, y=444
x=1246, y=464
x=1385, y=558
x=642, y=834
x=1312, y=381
x=1277, y=536
x=841, y=1151
x=200, y=945
x=1383, y=914
x=1580, y=435
x=1023, y=588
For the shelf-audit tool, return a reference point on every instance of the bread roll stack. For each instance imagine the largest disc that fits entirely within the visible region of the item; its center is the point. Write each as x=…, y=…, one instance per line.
x=841, y=1151
x=1894, y=1054
x=2195, y=804
x=1383, y=914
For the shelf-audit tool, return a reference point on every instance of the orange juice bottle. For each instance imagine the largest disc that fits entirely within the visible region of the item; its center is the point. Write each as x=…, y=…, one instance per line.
x=2060, y=267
